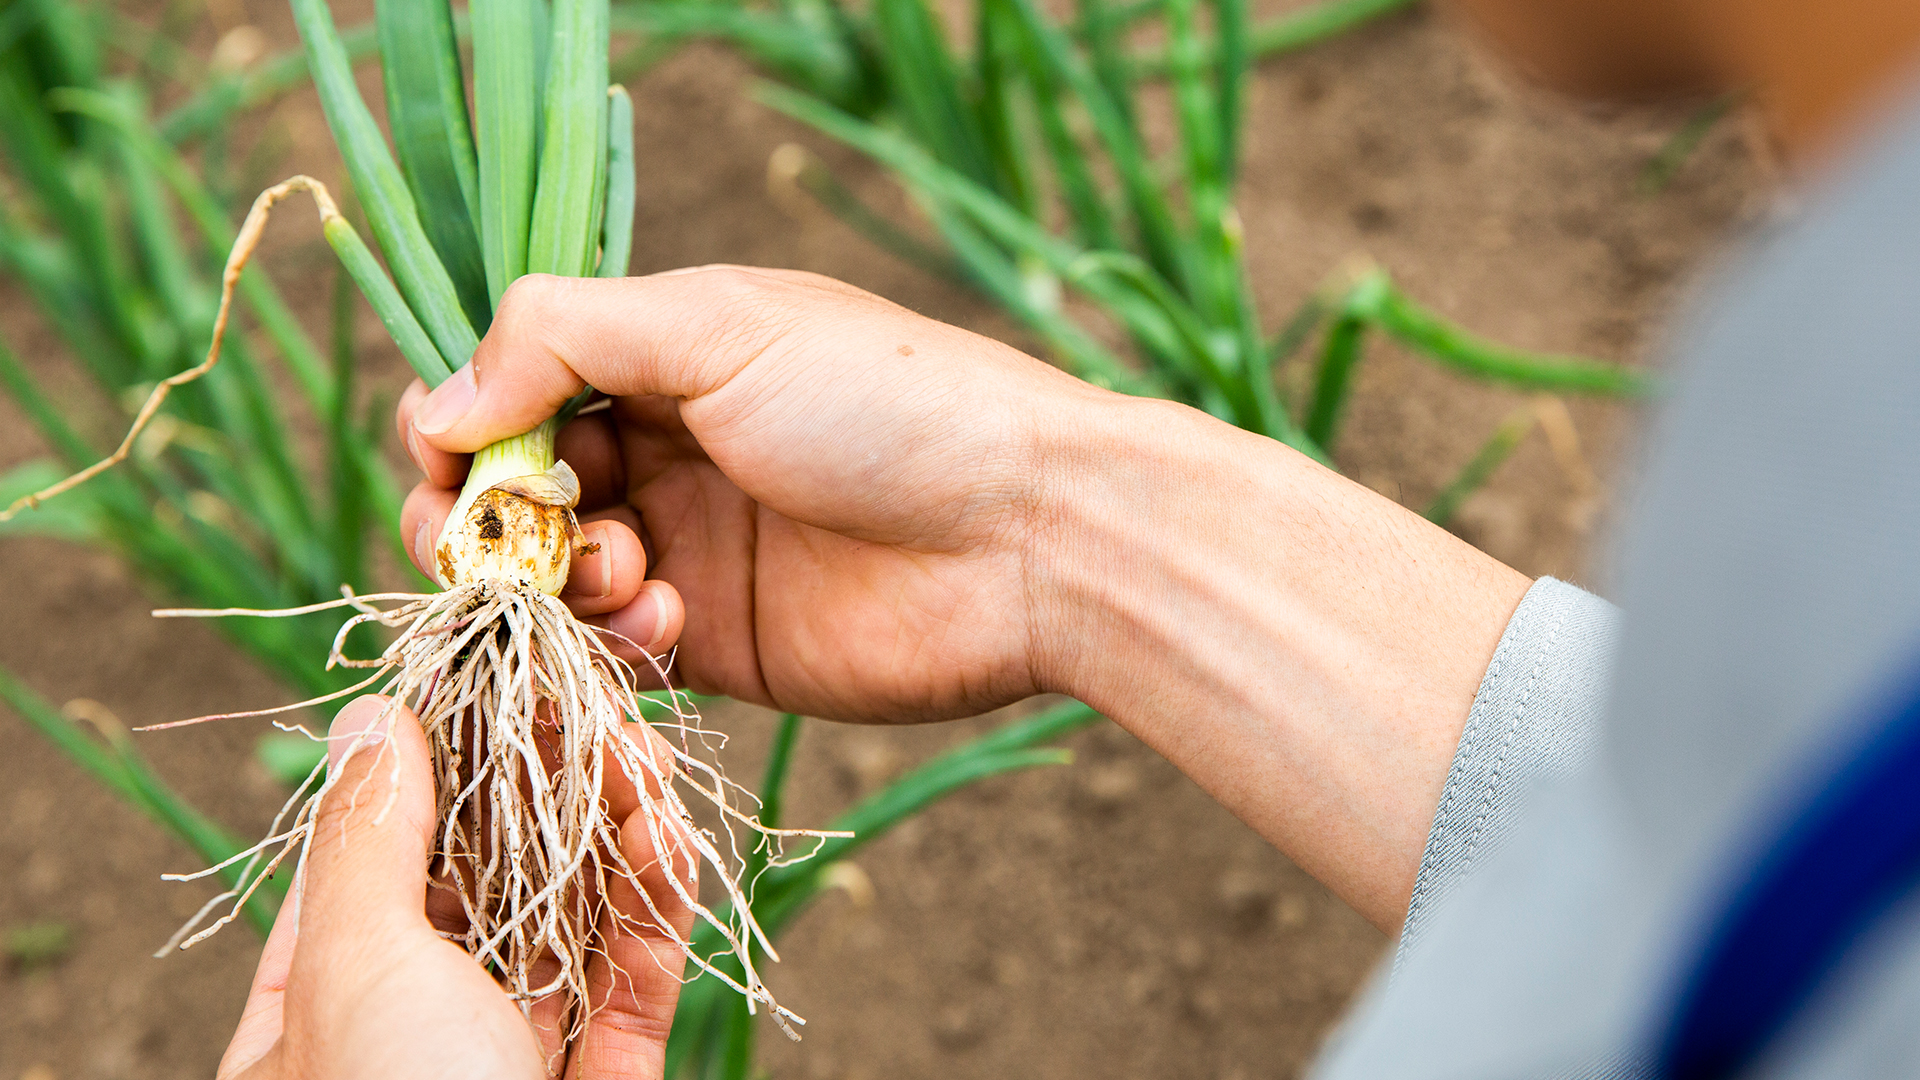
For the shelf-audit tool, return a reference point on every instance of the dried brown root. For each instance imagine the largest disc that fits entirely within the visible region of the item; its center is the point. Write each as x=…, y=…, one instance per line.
x=524, y=707
x=243, y=246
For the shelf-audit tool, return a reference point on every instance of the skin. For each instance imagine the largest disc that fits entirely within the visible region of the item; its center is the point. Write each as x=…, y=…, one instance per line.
x=355, y=979
x=815, y=567
x=837, y=507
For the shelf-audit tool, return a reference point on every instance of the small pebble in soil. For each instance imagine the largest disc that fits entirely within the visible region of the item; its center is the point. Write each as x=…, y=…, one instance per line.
x=871, y=759
x=1069, y=950
x=1203, y=1005
x=1010, y=969
x=1291, y=911
x=1246, y=898
x=31, y=805
x=43, y=874
x=1111, y=785
x=43, y=1006
x=1141, y=986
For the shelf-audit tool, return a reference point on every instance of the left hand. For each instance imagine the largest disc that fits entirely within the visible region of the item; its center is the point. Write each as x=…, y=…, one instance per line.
x=355, y=981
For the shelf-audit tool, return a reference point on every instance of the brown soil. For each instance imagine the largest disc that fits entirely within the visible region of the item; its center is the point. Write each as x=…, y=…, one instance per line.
x=1105, y=919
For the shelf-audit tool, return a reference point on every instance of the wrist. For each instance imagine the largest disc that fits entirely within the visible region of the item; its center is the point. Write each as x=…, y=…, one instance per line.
x=1304, y=649
x=1128, y=486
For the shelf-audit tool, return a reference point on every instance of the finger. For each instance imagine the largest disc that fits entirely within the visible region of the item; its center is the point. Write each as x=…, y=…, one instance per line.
x=422, y=517
x=622, y=778
x=609, y=567
x=634, y=986
x=681, y=335
x=366, y=862
x=646, y=627
x=263, y=1018
x=624, y=514
x=549, y=1016
x=443, y=469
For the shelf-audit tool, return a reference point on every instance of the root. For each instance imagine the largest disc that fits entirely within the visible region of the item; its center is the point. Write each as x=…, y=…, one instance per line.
x=523, y=707
x=243, y=246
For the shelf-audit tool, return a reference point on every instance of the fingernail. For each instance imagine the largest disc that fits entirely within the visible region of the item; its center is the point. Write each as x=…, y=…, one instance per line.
x=645, y=623
x=413, y=448
x=423, y=549
x=447, y=404
x=356, y=729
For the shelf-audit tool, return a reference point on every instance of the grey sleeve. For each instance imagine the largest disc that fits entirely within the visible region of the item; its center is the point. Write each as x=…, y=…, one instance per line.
x=1537, y=714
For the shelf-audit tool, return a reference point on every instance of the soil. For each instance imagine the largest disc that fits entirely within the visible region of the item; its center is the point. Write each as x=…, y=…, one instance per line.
x=1105, y=919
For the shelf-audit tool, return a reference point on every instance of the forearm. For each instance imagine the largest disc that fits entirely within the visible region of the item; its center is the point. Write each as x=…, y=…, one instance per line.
x=1305, y=649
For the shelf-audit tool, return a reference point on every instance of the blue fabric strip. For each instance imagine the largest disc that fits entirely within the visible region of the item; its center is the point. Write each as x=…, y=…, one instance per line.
x=1840, y=863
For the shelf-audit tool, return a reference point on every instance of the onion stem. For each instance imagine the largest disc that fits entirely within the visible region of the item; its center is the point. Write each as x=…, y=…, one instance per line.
x=522, y=455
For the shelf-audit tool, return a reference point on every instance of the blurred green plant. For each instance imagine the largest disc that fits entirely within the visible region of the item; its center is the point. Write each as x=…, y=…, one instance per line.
x=713, y=1034
x=35, y=945
x=1029, y=160
x=216, y=506
x=1673, y=155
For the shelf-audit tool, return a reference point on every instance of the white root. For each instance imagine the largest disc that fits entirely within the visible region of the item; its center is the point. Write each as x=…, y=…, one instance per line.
x=523, y=707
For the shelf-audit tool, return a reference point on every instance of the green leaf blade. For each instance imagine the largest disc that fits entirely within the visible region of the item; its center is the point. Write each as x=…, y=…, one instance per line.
x=383, y=192
x=616, y=230
x=506, y=99
x=1455, y=347
x=562, y=236
x=427, y=114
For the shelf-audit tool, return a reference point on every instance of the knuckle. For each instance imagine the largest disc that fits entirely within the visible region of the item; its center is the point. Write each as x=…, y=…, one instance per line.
x=529, y=338
x=531, y=296
x=752, y=309
x=529, y=311
x=733, y=287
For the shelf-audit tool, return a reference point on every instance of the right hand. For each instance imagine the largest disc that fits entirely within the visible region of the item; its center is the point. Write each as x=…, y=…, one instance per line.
x=862, y=514
x=841, y=497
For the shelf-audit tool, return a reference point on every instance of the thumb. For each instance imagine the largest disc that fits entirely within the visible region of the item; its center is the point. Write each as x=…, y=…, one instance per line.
x=365, y=877
x=680, y=334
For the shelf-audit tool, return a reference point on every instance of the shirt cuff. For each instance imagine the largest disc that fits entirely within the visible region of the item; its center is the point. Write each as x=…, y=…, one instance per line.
x=1537, y=715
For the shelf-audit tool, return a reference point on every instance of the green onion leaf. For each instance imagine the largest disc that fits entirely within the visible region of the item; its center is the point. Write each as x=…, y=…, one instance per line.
x=383, y=193
x=616, y=237
x=427, y=113
x=506, y=98
x=562, y=238
x=1491, y=455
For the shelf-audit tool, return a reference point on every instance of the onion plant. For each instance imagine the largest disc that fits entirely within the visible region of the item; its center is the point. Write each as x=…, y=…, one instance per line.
x=446, y=659
x=523, y=706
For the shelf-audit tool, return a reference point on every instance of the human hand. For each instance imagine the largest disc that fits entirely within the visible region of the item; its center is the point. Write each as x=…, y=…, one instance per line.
x=862, y=514
x=356, y=980
x=842, y=498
